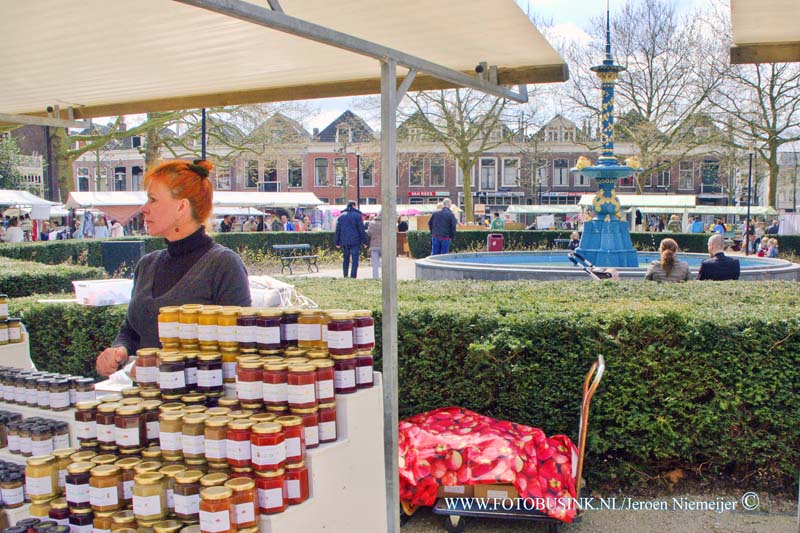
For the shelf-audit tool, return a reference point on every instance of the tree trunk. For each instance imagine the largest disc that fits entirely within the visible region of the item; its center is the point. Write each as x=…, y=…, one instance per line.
x=468, y=208
x=64, y=175
x=773, y=174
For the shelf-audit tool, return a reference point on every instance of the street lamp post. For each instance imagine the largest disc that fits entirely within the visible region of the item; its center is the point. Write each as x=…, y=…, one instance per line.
x=358, y=180
x=749, y=191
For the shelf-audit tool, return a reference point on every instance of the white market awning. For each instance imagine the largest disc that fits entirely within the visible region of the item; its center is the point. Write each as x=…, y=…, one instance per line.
x=265, y=199
x=236, y=211
x=21, y=199
x=765, y=31
x=544, y=209
x=679, y=201
x=755, y=210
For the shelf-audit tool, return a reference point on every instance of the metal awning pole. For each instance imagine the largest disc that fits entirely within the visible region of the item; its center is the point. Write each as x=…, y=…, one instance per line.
x=389, y=292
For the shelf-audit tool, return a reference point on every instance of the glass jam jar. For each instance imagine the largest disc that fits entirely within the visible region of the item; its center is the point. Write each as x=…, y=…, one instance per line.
x=59, y=512
x=344, y=373
x=363, y=330
x=214, y=479
x=227, y=330
x=309, y=329
x=187, y=329
x=63, y=460
x=169, y=472
x=268, y=329
x=41, y=478
x=41, y=440
x=169, y=326
x=147, y=367
x=294, y=437
x=81, y=521
x=123, y=521
x=171, y=373
x=250, y=381
x=216, y=438
x=12, y=489
x=105, y=488
x=3, y=332
x=187, y=495
x=327, y=422
x=229, y=356
x=269, y=491
x=59, y=395
x=14, y=330
x=310, y=420
x=171, y=432
x=246, y=328
x=245, y=506
x=190, y=370
x=237, y=445
x=127, y=466
x=192, y=439
x=209, y=372
x=301, y=388
x=324, y=380
x=296, y=483
x=3, y=306
x=84, y=390
x=131, y=430
x=364, y=362
x=207, y=327
x=151, y=423
x=289, y=328
x=267, y=446
x=149, y=497
x=275, y=384
x=340, y=333
x=102, y=522
x=85, y=420
x=216, y=510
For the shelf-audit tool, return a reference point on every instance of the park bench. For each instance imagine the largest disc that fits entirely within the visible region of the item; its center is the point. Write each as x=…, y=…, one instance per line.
x=289, y=253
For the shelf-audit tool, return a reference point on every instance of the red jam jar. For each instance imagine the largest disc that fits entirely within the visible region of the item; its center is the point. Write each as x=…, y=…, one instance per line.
x=327, y=422
x=324, y=375
x=267, y=447
x=364, y=377
x=363, y=330
x=340, y=333
x=344, y=373
x=289, y=328
x=237, y=444
x=296, y=483
x=294, y=437
x=250, y=381
x=276, y=384
x=269, y=490
x=301, y=390
x=310, y=424
x=246, y=328
x=268, y=329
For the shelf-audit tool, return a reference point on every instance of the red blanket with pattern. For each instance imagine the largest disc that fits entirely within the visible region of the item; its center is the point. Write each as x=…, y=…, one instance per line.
x=454, y=446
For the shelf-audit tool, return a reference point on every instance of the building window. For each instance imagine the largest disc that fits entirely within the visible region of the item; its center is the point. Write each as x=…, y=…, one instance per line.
x=321, y=172
x=627, y=181
x=83, y=179
x=460, y=176
x=120, y=180
x=569, y=135
x=344, y=135
x=340, y=172
x=367, y=172
x=510, y=172
x=552, y=135
x=416, y=172
x=251, y=174
x=137, y=173
x=270, y=183
x=581, y=180
x=295, y=173
x=686, y=175
x=649, y=182
x=709, y=171
x=437, y=172
x=223, y=178
x=323, y=200
x=488, y=174
x=414, y=200
x=560, y=173
x=663, y=176
x=136, y=141
x=434, y=200
x=369, y=201
x=339, y=200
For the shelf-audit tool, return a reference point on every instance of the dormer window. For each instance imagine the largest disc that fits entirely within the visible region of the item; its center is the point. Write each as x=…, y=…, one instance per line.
x=344, y=135
x=136, y=141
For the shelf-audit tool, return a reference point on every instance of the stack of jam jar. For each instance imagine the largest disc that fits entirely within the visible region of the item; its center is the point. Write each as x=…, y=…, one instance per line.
x=10, y=327
x=12, y=481
x=43, y=390
x=32, y=436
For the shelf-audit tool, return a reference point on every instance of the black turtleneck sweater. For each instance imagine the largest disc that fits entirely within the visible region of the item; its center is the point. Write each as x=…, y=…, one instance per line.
x=180, y=257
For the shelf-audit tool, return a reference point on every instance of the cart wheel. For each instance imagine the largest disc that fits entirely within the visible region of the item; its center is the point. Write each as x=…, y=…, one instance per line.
x=406, y=510
x=454, y=524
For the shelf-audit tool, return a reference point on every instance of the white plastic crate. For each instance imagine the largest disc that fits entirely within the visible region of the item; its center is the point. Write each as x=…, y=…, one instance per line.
x=97, y=292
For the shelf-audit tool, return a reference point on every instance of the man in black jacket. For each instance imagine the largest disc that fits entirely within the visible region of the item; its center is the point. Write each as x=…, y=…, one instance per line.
x=350, y=236
x=443, y=228
x=773, y=229
x=720, y=267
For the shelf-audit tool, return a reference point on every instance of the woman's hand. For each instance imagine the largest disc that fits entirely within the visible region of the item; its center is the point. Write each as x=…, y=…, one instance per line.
x=110, y=359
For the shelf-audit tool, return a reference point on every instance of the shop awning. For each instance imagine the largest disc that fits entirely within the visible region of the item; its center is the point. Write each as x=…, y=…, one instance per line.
x=680, y=201
x=544, y=209
x=765, y=31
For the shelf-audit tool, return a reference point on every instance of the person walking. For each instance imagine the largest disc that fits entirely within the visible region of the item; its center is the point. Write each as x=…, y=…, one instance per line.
x=374, y=233
x=719, y=267
x=497, y=223
x=350, y=236
x=443, y=228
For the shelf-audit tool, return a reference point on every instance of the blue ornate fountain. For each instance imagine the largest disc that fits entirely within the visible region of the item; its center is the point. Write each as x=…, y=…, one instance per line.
x=605, y=240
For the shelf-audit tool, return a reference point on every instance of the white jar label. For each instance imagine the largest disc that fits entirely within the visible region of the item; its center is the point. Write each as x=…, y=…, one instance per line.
x=168, y=330
x=147, y=505
x=342, y=340
x=276, y=392
x=309, y=332
x=170, y=499
x=128, y=437
x=268, y=455
x=86, y=430
x=214, y=522
x=77, y=493
x=152, y=429
x=270, y=498
x=238, y=449
x=187, y=331
x=39, y=486
x=312, y=435
x=127, y=490
x=365, y=335
x=207, y=333
x=187, y=505
x=364, y=374
x=216, y=449
x=344, y=379
x=19, y=395
x=170, y=442
x=43, y=398
x=191, y=375
x=14, y=334
x=289, y=332
x=103, y=497
x=268, y=335
x=13, y=496
x=245, y=334
x=300, y=394
x=73, y=395
x=4, y=336
x=88, y=528
x=244, y=512
x=147, y=374
x=4, y=310
x=8, y=393
x=249, y=390
x=84, y=396
x=60, y=441
x=106, y=433
x=13, y=443
x=171, y=380
x=25, y=445
x=229, y=371
x=59, y=400
x=327, y=431
x=193, y=444
x=293, y=448
x=292, y=488
x=62, y=479
x=209, y=378
x=325, y=389
x=94, y=529
x=227, y=333
x=42, y=447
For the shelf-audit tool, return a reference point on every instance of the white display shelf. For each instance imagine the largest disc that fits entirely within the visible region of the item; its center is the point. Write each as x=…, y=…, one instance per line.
x=347, y=488
x=9, y=457
x=67, y=416
x=17, y=354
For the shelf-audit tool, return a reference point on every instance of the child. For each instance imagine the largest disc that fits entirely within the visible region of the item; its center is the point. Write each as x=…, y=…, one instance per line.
x=772, y=251
x=763, y=248
x=575, y=240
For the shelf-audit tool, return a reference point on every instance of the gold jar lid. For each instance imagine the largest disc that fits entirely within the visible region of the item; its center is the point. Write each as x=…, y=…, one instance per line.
x=270, y=311
x=194, y=528
x=241, y=424
x=168, y=352
x=228, y=403
x=361, y=313
x=147, y=466
x=210, y=312
x=272, y=359
x=217, y=411
x=289, y=420
x=310, y=312
x=328, y=405
x=215, y=493
x=343, y=357
x=151, y=405
x=105, y=470
x=39, y=460
x=132, y=400
x=87, y=406
x=195, y=418
x=196, y=464
x=253, y=529
x=231, y=309
x=169, y=309
x=108, y=407
x=172, y=358
x=123, y=517
x=146, y=351
x=239, y=414
x=63, y=453
x=58, y=503
x=317, y=354
x=103, y=514
x=292, y=466
x=266, y=354
x=130, y=410
x=149, y=478
x=211, y=480
x=190, y=354
x=271, y=473
x=262, y=417
x=105, y=459
x=247, y=358
x=171, y=416
x=248, y=311
x=194, y=409
x=240, y=483
x=301, y=367
x=172, y=470
x=218, y=421
x=171, y=406
x=167, y=526
x=193, y=398
x=305, y=410
x=251, y=364
x=278, y=409
x=294, y=351
x=189, y=312
x=150, y=394
x=276, y=367
x=130, y=392
x=266, y=427
x=336, y=316
x=209, y=356
x=110, y=398
x=291, y=311
x=322, y=363
x=80, y=467
x=83, y=455
x=188, y=476
x=72, y=511
x=244, y=470
x=296, y=360
x=128, y=463
x=153, y=452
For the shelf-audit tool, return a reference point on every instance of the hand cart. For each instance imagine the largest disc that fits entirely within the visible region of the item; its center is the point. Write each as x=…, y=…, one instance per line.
x=456, y=514
x=579, y=261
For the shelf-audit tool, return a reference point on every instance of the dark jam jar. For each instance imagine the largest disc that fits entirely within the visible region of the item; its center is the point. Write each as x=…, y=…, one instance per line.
x=131, y=429
x=209, y=372
x=246, y=328
x=268, y=329
x=364, y=377
x=363, y=330
x=190, y=370
x=289, y=328
x=324, y=380
x=171, y=375
x=340, y=333
x=301, y=388
x=344, y=373
x=77, y=484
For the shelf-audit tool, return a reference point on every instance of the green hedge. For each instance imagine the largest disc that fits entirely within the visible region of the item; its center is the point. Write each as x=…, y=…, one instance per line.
x=700, y=376
x=23, y=278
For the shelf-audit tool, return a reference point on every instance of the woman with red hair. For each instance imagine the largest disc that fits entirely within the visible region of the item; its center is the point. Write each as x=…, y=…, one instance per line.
x=192, y=268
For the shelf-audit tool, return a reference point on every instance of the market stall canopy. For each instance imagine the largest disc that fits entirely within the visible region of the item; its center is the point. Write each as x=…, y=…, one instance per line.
x=118, y=205
x=265, y=199
x=648, y=200
x=21, y=199
x=236, y=211
x=755, y=210
x=765, y=31
x=544, y=209
x=172, y=68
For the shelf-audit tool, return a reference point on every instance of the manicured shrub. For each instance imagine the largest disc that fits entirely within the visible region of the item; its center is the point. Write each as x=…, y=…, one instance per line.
x=23, y=278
